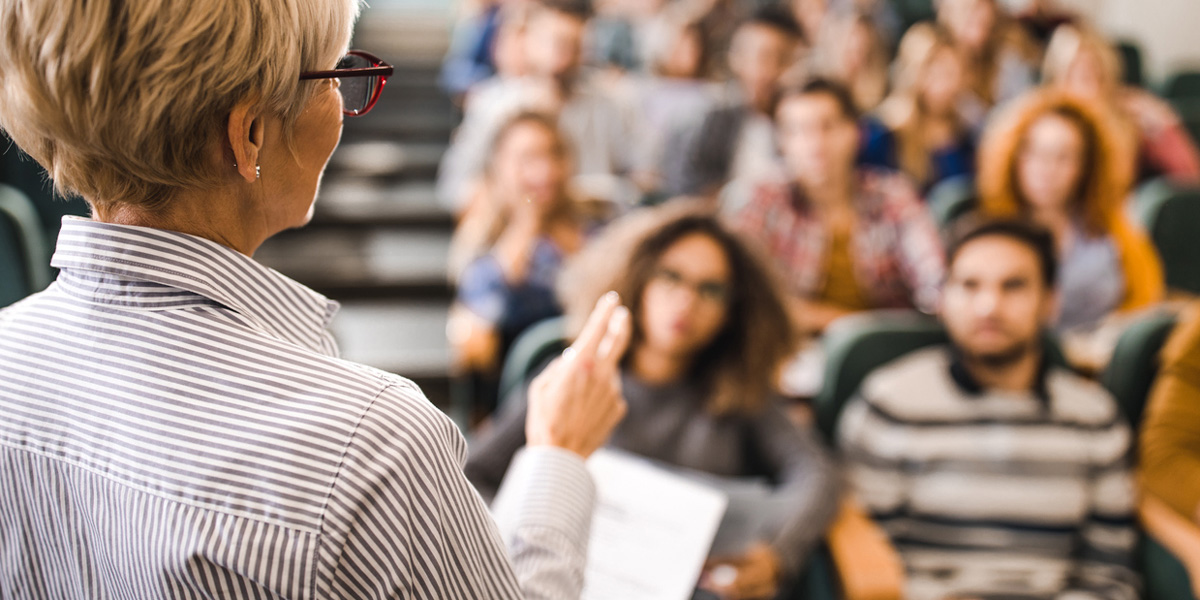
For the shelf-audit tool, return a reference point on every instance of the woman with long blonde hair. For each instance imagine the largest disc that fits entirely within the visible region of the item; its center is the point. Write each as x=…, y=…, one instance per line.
x=1000, y=57
x=1054, y=157
x=933, y=139
x=508, y=249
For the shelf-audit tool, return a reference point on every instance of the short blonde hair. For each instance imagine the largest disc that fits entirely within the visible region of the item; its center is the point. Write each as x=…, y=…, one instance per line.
x=122, y=101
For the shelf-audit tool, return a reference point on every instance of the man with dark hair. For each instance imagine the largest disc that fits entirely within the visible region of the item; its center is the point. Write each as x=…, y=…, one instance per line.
x=735, y=139
x=847, y=238
x=599, y=127
x=996, y=472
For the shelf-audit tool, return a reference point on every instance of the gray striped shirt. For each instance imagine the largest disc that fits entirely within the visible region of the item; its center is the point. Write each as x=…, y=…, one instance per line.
x=995, y=494
x=175, y=423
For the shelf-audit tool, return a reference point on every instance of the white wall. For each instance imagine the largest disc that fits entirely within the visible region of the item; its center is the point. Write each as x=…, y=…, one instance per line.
x=1168, y=31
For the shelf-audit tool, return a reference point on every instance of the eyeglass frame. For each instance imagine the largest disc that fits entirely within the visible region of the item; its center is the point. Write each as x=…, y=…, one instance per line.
x=380, y=69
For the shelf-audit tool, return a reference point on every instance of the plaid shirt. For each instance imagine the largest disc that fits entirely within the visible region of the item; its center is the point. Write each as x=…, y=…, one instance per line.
x=898, y=257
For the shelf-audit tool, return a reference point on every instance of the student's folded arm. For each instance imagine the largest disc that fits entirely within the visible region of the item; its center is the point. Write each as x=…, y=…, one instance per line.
x=807, y=474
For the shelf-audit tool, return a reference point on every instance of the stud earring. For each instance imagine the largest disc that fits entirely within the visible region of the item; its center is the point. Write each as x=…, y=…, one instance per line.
x=257, y=172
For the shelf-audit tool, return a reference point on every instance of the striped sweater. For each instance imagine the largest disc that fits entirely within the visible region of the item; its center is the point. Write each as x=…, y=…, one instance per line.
x=992, y=494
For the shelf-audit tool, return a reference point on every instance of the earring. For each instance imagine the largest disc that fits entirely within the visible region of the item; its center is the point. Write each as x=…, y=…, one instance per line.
x=257, y=172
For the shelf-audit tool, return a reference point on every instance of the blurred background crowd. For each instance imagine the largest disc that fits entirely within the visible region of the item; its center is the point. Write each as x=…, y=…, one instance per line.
x=790, y=194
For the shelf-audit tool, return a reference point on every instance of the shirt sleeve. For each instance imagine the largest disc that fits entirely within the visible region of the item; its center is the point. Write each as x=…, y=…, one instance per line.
x=1170, y=438
x=1105, y=566
x=403, y=522
x=806, y=478
x=921, y=251
x=544, y=510
x=876, y=476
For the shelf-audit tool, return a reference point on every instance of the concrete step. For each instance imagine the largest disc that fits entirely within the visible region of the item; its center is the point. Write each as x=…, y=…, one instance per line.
x=406, y=338
x=387, y=158
x=357, y=262
x=347, y=201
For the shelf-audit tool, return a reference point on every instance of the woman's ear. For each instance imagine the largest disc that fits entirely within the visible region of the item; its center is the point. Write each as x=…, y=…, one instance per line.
x=245, y=132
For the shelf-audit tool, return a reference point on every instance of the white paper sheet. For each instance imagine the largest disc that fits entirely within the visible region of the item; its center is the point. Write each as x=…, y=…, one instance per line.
x=651, y=532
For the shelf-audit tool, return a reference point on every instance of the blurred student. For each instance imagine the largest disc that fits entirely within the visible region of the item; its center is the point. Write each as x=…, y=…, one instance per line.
x=598, y=127
x=508, y=250
x=847, y=238
x=814, y=17
x=710, y=333
x=853, y=54
x=735, y=140
x=1054, y=158
x=673, y=97
x=933, y=139
x=1082, y=61
x=469, y=59
x=1169, y=443
x=1001, y=61
x=996, y=473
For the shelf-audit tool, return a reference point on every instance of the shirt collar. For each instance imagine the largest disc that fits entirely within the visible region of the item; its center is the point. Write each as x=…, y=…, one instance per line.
x=970, y=386
x=118, y=255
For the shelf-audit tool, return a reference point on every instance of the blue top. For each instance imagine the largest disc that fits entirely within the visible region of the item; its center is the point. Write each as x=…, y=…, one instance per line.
x=469, y=60
x=879, y=147
x=484, y=290
x=1091, y=282
x=951, y=160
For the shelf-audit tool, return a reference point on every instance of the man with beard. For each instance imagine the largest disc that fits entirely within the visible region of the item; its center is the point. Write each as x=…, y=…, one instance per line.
x=996, y=473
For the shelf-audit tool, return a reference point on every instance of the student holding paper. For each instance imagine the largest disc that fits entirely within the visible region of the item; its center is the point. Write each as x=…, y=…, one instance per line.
x=710, y=330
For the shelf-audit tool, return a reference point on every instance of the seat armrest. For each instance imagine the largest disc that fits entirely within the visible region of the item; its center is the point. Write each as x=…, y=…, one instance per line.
x=867, y=565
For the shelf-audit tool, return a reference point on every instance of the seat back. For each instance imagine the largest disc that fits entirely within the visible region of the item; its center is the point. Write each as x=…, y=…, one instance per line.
x=1189, y=112
x=1131, y=62
x=857, y=345
x=1135, y=363
x=24, y=265
x=1169, y=213
x=952, y=198
x=1182, y=84
x=530, y=350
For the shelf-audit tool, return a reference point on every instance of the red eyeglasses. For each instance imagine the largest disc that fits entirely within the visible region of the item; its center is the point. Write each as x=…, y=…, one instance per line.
x=362, y=76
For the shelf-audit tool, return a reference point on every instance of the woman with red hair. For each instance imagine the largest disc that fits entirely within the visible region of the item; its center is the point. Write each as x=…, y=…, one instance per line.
x=1054, y=158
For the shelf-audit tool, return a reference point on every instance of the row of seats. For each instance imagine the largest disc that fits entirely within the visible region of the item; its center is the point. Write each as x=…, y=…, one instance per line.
x=24, y=260
x=857, y=345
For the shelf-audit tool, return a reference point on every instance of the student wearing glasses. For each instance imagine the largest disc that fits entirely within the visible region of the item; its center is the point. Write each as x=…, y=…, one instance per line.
x=176, y=420
x=710, y=330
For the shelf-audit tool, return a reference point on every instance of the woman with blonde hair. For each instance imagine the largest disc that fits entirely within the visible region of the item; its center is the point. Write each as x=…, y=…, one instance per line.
x=710, y=331
x=1001, y=60
x=177, y=421
x=1082, y=61
x=853, y=53
x=1054, y=158
x=508, y=249
x=933, y=140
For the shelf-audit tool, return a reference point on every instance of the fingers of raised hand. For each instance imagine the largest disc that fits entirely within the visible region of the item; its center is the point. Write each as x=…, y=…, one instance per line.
x=595, y=330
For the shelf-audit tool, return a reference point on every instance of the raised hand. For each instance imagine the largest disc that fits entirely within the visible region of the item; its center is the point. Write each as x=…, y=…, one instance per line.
x=576, y=402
